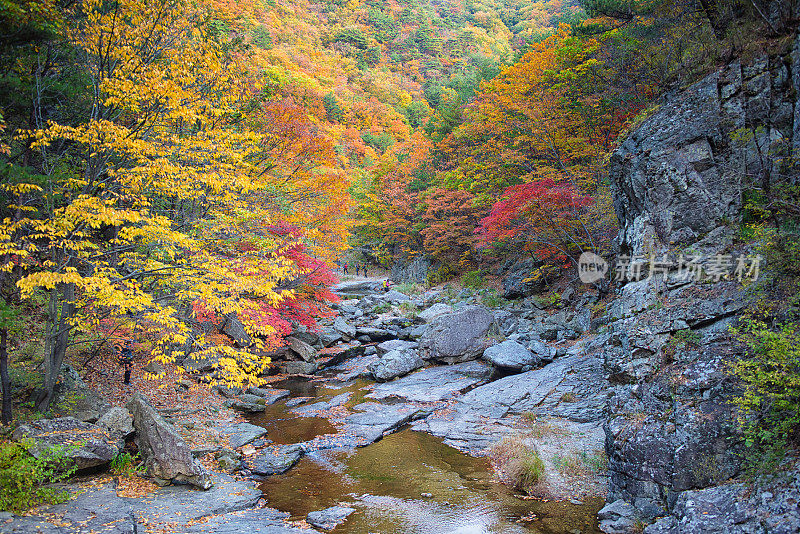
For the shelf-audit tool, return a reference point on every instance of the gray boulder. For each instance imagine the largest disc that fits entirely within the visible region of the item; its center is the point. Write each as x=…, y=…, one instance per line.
x=302, y=349
x=434, y=311
x=395, y=296
x=243, y=433
x=247, y=403
x=276, y=460
x=328, y=336
x=511, y=355
x=74, y=399
x=347, y=330
x=90, y=445
x=234, y=328
x=166, y=455
x=618, y=517
x=395, y=344
x=396, y=363
x=457, y=337
x=298, y=368
x=329, y=518
x=117, y=422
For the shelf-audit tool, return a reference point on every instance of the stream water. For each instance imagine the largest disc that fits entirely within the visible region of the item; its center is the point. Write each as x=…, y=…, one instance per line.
x=386, y=481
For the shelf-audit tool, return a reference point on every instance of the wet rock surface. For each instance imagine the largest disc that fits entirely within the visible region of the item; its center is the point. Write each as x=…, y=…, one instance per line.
x=329, y=518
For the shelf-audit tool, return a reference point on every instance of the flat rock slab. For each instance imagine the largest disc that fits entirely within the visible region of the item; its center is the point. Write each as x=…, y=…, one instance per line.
x=260, y=520
x=243, y=433
x=95, y=510
x=274, y=395
x=571, y=387
x=355, y=368
x=374, y=420
x=318, y=408
x=329, y=518
x=434, y=383
x=276, y=459
x=181, y=504
x=467, y=430
x=99, y=509
x=297, y=401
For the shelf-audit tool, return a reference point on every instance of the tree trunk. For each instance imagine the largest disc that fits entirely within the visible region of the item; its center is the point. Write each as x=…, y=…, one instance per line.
x=5, y=381
x=58, y=338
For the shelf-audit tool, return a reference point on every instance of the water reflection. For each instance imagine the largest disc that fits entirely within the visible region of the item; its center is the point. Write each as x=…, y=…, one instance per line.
x=385, y=481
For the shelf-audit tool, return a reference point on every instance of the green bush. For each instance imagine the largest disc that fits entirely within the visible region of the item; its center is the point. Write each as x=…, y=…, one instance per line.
x=23, y=478
x=492, y=300
x=549, y=300
x=473, y=279
x=769, y=404
x=382, y=308
x=126, y=465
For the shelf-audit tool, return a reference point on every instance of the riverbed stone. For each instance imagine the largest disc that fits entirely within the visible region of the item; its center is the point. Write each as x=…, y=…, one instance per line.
x=165, y=453
x=372, y=420
x=396, y=363
x=347, y=330
x=318, y=408
x=270, y=395
x=434, y=383
x=298, y=368
x=275, y=460
x=431, y=313
x=256, y=520
x=395, y=344
x=394, y=296
x=329, y=518
x=458, y=336
x=90, y=445
x=511, y=355
x=117, y=422
x=618, y=517
x=302, y=349
x=243, y=433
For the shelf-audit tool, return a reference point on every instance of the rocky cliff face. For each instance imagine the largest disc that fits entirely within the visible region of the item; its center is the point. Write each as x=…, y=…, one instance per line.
x=677, y=182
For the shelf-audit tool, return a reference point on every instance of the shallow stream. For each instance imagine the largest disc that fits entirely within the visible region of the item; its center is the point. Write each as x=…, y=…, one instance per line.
x=408, y=482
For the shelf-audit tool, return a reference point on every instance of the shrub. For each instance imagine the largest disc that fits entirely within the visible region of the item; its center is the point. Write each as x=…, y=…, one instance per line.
x=126, y=465
x=770, y=374
x=549, y=300
x=382, y=308
x=517, y=464
x=408, y=308
x=23, y=478
x=411, y=289
x=473, y=279
x=492, y=300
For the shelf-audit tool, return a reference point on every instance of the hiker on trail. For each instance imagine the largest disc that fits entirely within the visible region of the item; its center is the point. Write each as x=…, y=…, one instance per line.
x=345, y=267
x=386, y=285
x=126, y=358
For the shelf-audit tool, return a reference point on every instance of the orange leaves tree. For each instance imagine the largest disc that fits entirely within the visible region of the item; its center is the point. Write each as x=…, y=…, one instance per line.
x=538, y=133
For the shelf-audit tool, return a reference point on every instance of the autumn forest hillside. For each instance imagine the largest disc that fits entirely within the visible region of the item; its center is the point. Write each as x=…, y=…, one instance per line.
x=170, y=163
